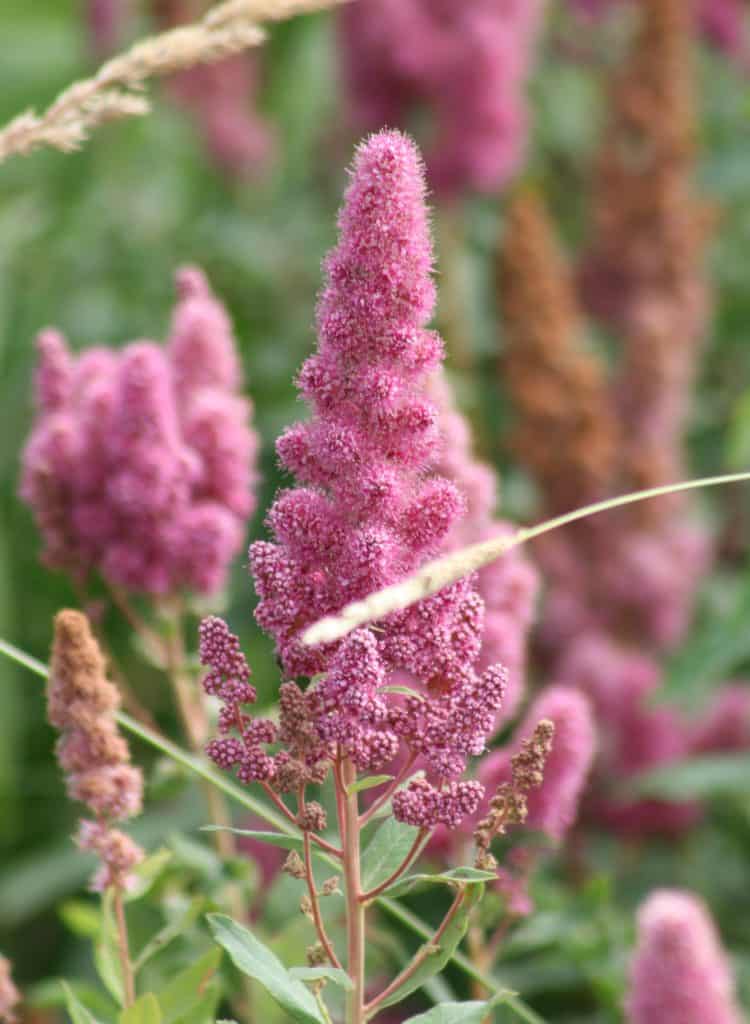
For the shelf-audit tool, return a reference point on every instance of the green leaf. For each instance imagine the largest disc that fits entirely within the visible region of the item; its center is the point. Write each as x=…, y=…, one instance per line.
x=697, y=778
x=439, y=955
x=368, y=782
x=257, y=961
x=456, y=1013
x=272, y=838
x=81, y=918
x=405, y=691
x=145, y=1010
x=456, y=877
x=178, y=998
x=78, y=1012
x=334, y=974
x=386, y=851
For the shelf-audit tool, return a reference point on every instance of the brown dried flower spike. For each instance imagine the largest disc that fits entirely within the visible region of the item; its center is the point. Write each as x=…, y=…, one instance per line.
x=508, y=806
x=82, y=704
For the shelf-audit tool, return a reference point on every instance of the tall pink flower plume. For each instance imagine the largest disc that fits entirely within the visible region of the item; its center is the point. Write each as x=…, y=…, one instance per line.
x=141, y=463
x=680, y=973
x=467, y=63
x=365, y=513
x=508, y=586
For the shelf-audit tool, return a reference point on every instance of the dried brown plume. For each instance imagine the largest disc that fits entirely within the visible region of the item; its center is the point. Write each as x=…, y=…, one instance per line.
x=645, y=273
x=566, y=432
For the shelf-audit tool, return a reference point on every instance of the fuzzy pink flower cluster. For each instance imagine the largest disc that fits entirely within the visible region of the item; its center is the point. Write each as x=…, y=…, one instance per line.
x=680, y=973
x=509, y=585
x=366, y=513
x=467, y=62
x=141, y=462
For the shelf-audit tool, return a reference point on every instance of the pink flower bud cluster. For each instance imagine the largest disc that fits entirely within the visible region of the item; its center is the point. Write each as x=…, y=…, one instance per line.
x=140, y=464
x=509, y=585
x=241, y=746
x=680, y=973
x=366, y=514
x=221, y=96
x=466, y=62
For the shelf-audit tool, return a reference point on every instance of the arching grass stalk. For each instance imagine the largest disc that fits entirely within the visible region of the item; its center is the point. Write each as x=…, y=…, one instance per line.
x=441, y=572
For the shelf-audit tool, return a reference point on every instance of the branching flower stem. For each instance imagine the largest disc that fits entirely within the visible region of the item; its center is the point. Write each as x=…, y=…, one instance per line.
x=387, y=793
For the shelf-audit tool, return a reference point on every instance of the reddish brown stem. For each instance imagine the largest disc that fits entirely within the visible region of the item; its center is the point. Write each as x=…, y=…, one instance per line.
x=387, y=792
x=314, y=901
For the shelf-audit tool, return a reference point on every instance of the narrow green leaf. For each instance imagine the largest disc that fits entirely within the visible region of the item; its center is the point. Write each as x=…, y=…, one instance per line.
x=145, y=1010
x=386, y=851
x=697, y=778
x=405, y=691
x=334, y=974
x=492, y=984
x=439, y=955
x=82, y=918
x=78, y=1012
x=251, y=957
x=179, y=997
x=458, y=876
x=286, y=842
x=455, y=1013
x=368, y=782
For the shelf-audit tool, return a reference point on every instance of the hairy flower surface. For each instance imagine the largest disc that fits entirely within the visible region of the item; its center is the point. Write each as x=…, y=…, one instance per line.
x=680, y=973
x=82, y=704
x=466, y=63
x=365, y=513
x=141, y=462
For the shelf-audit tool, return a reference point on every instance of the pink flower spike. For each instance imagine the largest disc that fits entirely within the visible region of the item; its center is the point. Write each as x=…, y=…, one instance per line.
x=680, y=973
